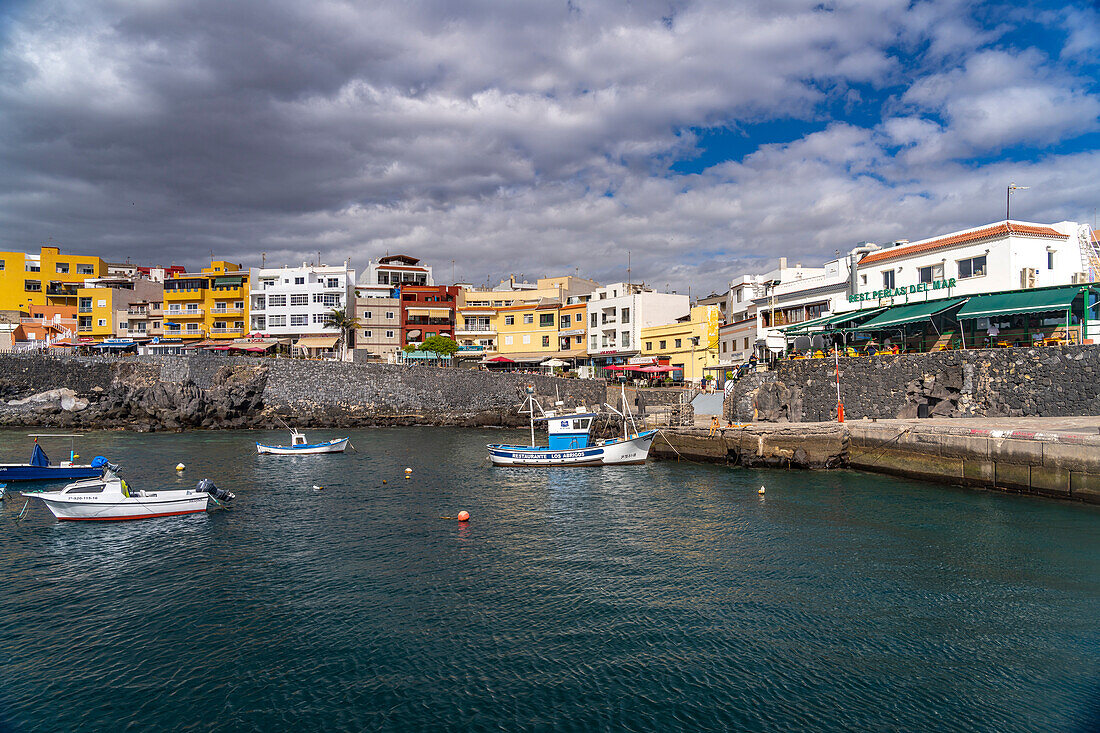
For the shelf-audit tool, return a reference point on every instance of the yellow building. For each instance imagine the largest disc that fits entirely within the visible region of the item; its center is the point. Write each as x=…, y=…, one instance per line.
x=690, y=343
x=212, y=304
x=528, y=332
x=45, y=279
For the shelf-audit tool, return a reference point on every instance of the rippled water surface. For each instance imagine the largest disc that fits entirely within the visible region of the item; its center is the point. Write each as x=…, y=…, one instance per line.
x=667, y=596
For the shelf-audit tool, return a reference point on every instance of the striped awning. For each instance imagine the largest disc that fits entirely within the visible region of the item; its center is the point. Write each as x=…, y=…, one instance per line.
x=445, y=312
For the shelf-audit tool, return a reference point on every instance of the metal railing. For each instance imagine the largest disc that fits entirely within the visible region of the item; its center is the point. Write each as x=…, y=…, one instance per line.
x=184, y=313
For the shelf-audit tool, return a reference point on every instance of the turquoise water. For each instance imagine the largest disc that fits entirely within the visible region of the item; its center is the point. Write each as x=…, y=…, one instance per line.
x=663, y=597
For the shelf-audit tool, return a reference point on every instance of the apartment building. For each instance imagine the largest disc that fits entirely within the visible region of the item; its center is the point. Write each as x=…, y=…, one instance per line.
x=690, y=344
x=210, y=305
x=379, y=334
x=296, y=302
x=617, y=313
x=104, y=304
x=426, y=311
x=385, y=274
x=48, y=278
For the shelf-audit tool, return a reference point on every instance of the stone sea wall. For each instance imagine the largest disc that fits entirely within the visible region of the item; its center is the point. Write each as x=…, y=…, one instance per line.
x=1046, y=381
x=172, y=393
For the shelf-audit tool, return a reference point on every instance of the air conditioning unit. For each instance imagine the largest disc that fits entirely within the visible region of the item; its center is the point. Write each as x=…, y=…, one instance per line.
x=1079, y=278
x=1028, y=276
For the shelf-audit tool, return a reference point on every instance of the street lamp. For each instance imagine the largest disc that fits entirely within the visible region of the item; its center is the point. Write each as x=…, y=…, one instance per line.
x=1008, y=197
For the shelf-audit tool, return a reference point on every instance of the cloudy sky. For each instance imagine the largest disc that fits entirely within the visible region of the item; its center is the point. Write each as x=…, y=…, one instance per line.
x=536, y=137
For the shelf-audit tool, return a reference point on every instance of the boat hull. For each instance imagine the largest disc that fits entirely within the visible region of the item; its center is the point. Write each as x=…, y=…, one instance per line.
x=110, y=508
x=332, y=446
x=627, y=452
x=25, y=472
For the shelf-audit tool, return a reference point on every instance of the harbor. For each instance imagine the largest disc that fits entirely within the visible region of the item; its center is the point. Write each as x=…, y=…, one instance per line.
x=581, y=591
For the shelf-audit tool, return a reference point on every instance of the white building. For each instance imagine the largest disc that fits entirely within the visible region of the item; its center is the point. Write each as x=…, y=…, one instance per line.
x=1009, y=255
x=294, y=302
x=386, y=273
x=617, y=313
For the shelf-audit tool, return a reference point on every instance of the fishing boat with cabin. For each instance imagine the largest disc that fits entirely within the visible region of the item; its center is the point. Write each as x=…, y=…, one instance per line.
x=40, y=468
x=298, y=446
x=570, y=441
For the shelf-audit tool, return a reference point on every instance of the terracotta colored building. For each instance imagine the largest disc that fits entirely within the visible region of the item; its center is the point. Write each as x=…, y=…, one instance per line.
x=427, y=310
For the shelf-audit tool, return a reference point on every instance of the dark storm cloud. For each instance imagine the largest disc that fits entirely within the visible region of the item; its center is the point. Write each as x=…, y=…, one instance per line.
x=491, y=133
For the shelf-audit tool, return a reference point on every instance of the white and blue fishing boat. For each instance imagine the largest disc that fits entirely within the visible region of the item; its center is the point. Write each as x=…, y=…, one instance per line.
x=41, y=468
x=570, y=442
x=299, y=446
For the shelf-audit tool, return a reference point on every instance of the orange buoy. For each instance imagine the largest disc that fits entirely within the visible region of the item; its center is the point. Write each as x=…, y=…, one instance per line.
x=464, y=516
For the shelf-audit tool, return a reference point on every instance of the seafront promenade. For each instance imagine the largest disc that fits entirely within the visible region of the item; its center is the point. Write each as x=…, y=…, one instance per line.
x=1049, y=456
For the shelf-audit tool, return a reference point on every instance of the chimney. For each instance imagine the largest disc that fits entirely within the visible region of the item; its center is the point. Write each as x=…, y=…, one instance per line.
x=782, y=263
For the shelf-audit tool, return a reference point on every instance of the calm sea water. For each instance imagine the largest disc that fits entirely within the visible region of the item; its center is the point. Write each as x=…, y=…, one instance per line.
x=663, y=597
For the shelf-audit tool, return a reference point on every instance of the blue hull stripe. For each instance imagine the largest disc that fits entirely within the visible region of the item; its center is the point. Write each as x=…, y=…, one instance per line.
x=46, y=473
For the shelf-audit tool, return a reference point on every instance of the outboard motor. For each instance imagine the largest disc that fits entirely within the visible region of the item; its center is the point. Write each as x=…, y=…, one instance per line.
x=207, y=485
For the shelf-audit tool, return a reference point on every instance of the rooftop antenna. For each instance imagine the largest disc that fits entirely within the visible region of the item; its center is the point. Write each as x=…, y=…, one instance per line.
x=1008, y=198
x=628, y=269
x=263, y=259
x=452, y=271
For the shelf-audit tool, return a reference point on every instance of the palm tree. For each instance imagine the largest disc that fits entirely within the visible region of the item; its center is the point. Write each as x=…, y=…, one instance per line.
x=345, y=324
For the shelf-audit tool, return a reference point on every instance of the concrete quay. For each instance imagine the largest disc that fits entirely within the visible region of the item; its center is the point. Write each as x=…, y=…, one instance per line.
x=1054, y=457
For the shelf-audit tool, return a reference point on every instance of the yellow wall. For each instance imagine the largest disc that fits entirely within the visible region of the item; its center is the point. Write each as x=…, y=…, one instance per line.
x=208, y=300
x=703, y=324
x=14, y=277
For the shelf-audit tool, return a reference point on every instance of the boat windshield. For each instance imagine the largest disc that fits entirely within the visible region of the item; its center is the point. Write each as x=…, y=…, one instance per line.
x=85, y=489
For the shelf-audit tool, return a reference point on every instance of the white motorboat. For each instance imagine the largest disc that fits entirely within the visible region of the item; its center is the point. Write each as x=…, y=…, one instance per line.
x=570, y=444
x=299, y=446
x=111, y=498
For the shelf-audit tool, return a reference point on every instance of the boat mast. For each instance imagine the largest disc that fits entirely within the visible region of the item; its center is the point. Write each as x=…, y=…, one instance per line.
x=531, y=414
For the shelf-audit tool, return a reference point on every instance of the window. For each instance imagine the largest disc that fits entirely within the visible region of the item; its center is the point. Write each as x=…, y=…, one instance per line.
x=333, y=282
x=259, y=303
x=723, y=347
x=509, y=320
x=276, y=321
x=649, y=346
x=32, y=267
x=594, y=342
x=299, y=299
x=32, y=286
x=930, y=273
x=102, y=321
x=738, y=295
x=331, y=300
x=84, y=323
x=661, y=345
x=101, y=303
x=528, y=317
x=259, y=323
x=564, y=321
x=389, y=334
x=193, y=327
x=1050, y=260
x=507, y=340
x=85, y=270
x=624, y=316
x=62, y=267
x=625, y=341
x=579, y=340
x=367, y=315
x=1, y=264
x=545, y=340
x=526, y=339
x=383, y=278
x=276, y=300
x=678, y=343
x=123, y=325
x=239, y=304
x=863, y=279
x=888, y=280
x=973, y=267
x=389, y=315
x=816, y=310
x=320, y=317
x=299, y=281
x=746, y=343
x=546, y=319
x=299, y=319
x=191, y=307
x=367, y=334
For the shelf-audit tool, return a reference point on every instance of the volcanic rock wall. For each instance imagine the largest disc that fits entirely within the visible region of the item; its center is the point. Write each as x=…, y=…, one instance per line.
x=171, y=393
x=1047, y=381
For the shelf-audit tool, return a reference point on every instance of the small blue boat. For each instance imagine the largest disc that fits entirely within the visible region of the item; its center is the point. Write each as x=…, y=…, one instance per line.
x=41, y=468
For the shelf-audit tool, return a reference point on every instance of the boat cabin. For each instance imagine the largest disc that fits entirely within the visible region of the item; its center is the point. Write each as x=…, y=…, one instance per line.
x=569, y=431
x=297, y=438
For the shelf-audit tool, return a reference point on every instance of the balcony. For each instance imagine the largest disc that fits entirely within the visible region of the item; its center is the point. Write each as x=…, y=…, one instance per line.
x=227, y=311
x=227, y=330
x=474, y=329
x=143, y=312
x=68, y=291
x=195, y=313
x=424, y=321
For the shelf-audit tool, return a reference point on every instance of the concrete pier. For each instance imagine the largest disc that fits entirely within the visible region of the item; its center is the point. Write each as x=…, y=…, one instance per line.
x=1056, y=457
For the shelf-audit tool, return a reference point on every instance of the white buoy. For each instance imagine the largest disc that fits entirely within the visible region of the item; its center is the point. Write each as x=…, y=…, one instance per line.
x=408, y=470
x=318, y=488
x=760, y=491
x=180, y=466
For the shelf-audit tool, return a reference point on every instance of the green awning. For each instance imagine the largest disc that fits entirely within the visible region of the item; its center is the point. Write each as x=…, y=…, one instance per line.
x=908, y=314
x=1021, y=301
x=833, y=320
x=232, y=282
